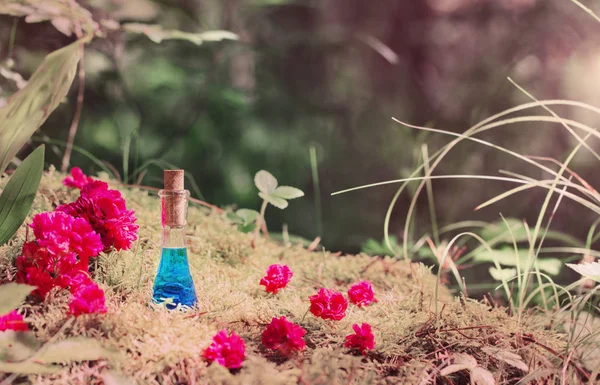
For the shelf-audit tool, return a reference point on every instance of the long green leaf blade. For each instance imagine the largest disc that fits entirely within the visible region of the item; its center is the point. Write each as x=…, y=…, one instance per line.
x=18, y=195
x=29, y=108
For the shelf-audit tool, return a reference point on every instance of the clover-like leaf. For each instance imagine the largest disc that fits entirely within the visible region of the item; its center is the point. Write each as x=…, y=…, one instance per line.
x=246, y=228
x=589, y=269
x=265, y=182
x=275, y=201
x=287, y=192
x=12, y=295
x=248, y=216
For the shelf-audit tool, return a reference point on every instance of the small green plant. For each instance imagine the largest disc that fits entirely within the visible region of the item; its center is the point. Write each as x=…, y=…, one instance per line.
x=270, y=192
x=245, y=219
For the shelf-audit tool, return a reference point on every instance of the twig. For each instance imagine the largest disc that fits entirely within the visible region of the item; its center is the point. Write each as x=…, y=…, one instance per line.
x=198, y=201
x=564, y=371
x=582, y=372
x=77, y=115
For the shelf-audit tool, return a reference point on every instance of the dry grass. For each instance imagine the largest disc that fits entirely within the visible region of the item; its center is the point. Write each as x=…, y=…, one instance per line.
x=161, y=347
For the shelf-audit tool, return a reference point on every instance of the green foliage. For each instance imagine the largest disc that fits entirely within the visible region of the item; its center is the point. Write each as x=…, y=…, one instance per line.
x=506, y=257
x=498, y=232
x=373, y=247
x=30, y=107
x=11, y=296
x=19, y=193
x=245, y=219
x=589, y=270
x=158, y=34
x=270, y=192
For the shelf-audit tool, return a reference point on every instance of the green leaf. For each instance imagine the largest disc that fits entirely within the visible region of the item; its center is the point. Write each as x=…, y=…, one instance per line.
x=17, y=346
x=502, y=274
x=27, y=109
x=589, y=269
x=157, y=33
x=248, y=216
x=498, y=231
x=287, y=192
x=73, y=349
x=233, y=217
x=506, y=257
x=28, y=368
x=12, y=295
x=265, y=182
x=374, y=247
x=275, y=201
x=246, y=228
x=19, y=193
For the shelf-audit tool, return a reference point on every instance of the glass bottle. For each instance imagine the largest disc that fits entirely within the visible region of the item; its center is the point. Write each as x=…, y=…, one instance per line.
x=173, y=279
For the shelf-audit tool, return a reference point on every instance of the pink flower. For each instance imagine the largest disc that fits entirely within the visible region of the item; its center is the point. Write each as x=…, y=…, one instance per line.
x=362, y=339
x=61, y=234
x=278, y=276
x=13, y=321
x=283, y=336
x=328, y=304
x=36, y=266
x=78, y=180
x=107, y=213
x=361, y=294
x=227, y=350
x=87, y=298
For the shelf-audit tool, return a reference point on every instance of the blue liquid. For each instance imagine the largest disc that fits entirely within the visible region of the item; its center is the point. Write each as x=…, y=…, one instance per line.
x=174, y=280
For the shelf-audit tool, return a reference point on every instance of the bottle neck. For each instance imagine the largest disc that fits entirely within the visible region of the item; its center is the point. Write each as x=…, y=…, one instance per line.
x=174, y=212
x=173, y=237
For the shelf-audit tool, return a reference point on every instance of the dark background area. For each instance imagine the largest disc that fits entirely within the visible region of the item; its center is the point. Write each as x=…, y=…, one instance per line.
x=329, y=74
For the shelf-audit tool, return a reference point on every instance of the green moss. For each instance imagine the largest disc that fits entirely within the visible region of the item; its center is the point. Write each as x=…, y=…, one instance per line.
x=161, y=347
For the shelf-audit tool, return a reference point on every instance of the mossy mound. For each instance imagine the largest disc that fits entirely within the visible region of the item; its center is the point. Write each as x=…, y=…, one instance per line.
x=162, y=347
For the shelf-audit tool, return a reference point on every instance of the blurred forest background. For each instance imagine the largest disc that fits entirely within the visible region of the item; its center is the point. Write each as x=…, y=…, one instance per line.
x=327, y=74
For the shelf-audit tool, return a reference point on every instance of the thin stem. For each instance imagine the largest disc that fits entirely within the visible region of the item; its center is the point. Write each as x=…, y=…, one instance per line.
x=260, y=221
x=76, y=116
x=317, y=188
x=13, y=35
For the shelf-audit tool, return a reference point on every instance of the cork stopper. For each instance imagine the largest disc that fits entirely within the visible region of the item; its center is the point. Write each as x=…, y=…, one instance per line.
x=173, y=179
x=174, y=199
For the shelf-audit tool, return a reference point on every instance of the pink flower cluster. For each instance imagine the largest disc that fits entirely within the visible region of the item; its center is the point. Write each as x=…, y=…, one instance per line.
x=67, y=237
x=286, y=337
x=77, y=179
x=228, y=350
x=283, y=336
x=278, y=276
x=106, y=212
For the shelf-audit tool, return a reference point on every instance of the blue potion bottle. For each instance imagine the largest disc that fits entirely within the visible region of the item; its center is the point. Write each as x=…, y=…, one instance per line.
x=173, y=280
